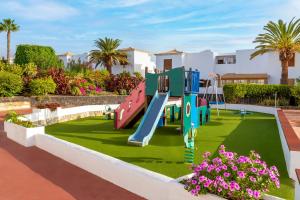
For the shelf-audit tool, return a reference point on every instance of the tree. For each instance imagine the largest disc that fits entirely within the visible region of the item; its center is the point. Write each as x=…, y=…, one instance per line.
x=107, y=53
x=8, y=26
x=282, y=38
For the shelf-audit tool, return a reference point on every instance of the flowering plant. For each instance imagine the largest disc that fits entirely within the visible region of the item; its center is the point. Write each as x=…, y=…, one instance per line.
x=232, y=176
x=82, y=87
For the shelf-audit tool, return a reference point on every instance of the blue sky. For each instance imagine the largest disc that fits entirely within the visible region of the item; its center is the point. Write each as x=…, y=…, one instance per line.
x=153, y=25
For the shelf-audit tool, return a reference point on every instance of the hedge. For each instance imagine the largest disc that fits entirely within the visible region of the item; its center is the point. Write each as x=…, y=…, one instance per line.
x=234, y=92
x=42, y=56
x=10, y=84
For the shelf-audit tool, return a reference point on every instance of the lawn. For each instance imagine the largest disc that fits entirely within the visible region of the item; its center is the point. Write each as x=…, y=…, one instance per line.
x=165, y=152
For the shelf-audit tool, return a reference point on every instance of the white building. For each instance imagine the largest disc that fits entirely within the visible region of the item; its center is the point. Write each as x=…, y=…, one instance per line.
x=138, y=61
x=233, y=67
x=68, y=57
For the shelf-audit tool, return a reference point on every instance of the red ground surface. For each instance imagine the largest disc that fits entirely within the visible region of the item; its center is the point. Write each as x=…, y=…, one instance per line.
x=33, y=174
x=293, y=117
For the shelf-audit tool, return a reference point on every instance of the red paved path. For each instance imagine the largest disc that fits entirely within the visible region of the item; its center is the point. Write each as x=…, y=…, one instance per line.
x=33, y=174
x=293, y=117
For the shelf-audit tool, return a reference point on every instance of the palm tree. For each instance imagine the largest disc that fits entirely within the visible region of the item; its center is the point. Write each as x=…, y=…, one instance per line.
x=282, y=38
x=8, y=25
x=107, y=53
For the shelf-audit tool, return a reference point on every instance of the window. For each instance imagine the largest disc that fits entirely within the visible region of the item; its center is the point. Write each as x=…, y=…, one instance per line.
x=292, y=61
x=167, y=64
x=230, y=59
x=220, y=61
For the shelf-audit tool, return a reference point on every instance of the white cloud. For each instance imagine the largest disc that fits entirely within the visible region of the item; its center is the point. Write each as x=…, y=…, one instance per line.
x=161, y=20
x=115, y=3
x=40, y=10
x=221, y=26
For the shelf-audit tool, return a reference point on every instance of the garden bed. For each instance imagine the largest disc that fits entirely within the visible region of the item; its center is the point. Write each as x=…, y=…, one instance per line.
x=165, y=152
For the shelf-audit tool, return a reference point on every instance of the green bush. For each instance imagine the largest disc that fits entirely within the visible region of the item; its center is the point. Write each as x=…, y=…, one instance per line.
x=13, y=117
x=98, y=77
x=10, y=84
x=42, y=86
x=234, y=92
x=29, y=70
x=12, y=68
x=42, y=56
x=296, y=94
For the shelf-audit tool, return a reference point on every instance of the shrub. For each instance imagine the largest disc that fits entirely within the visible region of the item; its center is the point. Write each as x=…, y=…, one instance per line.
x=234, y=92
x=61, y=80
x=10, y=84
x=42, y=86
x=98, y=77
x=138, y=75
x=13, y=68
x=232, y=176
x=42, y=56
x=13, y=117
x=29, y=70
x=296, y=94
x=84, y=88
x=119, y=83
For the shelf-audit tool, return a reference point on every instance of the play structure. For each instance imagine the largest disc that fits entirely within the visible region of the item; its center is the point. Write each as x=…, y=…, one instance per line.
x=213, y=93
x=154, y=94
x=132, y=109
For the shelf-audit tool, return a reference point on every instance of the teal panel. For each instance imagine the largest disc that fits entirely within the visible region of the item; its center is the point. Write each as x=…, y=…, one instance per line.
x=194, y=111
x=176, y=82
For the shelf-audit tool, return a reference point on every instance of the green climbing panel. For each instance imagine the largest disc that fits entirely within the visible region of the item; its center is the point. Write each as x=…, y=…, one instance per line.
x=176, y=82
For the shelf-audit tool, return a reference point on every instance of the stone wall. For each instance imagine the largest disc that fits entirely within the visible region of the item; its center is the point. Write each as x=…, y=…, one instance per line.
x=66, y=101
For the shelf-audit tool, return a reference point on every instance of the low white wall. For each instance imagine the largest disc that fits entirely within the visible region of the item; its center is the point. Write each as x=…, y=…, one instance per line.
x=46, y=114
x=22, y=135
x=253, y=108
x=141, y=181
x=292, y=158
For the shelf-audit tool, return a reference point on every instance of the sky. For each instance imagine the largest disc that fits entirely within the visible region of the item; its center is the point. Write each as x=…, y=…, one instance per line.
x=152, y=25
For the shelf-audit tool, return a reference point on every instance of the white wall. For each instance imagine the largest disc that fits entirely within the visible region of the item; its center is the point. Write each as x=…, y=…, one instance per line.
x=138, y=60
x=143, y=182
x=202, y=61
x=177, y=60
x=44, y=114
x=143, y=60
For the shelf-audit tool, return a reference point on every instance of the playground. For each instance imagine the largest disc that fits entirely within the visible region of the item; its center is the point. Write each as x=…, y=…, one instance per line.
x=165, y=153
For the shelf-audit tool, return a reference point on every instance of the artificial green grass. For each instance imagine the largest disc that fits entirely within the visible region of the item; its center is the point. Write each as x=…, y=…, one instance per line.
x=165, y=153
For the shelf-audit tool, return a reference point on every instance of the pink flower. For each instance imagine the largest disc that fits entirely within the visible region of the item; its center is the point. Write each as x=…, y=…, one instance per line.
x=225, y=185
x=206, y=154
x=194, y=182
x=241, y=174
x=82, y=91
x=219, y=189
x=256, y=194
x=234, y=168
x=194, y=192
x=250, y=192
x=252, y=179
x=224, y=167
x=202, y=178
x=226, y=174
x=229, y=155
x=253, y=169
x=198, y=187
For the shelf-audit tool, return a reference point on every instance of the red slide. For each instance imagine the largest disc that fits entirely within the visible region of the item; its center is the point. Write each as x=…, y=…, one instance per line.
x=132, y=109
